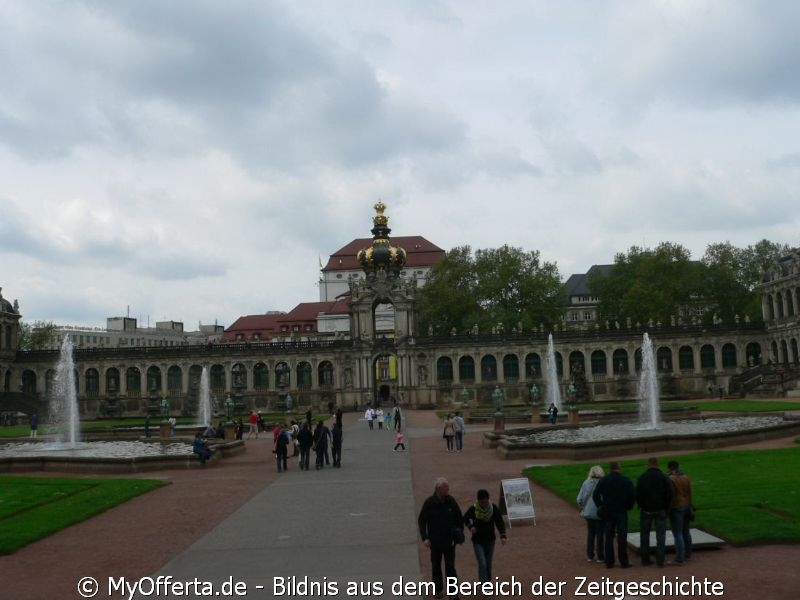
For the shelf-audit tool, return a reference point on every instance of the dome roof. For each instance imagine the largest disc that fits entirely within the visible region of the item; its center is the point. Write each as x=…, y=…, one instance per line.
x=381, y=255
x=5, y=305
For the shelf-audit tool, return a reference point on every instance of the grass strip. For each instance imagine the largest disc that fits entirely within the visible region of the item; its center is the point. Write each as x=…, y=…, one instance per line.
x=34, y=507
x=742, y=496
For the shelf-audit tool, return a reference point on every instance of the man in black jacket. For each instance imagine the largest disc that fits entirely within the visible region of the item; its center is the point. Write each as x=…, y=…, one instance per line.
x=654, y=497
x=439, y=516
x=614, y=496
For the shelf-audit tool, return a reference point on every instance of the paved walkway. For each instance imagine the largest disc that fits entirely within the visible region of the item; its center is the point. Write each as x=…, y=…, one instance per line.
x=318, y=528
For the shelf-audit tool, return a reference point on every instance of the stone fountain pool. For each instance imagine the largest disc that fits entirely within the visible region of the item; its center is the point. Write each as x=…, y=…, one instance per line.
x=589, y=442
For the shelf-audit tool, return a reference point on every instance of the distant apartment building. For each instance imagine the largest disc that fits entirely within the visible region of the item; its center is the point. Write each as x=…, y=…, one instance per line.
x=124, y=332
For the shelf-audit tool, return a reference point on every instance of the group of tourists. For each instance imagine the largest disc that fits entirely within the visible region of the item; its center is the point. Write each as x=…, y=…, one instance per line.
x=377, y=415
x=605, y=499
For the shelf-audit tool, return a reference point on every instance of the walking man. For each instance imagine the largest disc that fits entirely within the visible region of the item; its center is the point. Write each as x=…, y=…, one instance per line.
x=439, y=517
x=614, y=496
x=654, y=497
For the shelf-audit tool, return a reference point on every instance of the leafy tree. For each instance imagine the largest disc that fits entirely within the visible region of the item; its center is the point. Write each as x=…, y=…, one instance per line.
x=503, y=287
x=36, y=335
x=647, y=284
x=733, y=274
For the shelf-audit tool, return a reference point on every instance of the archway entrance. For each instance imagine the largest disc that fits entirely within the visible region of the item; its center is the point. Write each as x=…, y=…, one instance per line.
x=385, y=377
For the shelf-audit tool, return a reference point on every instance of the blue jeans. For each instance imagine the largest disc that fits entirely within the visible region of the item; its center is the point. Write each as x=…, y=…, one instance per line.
x=483, y=554
x=459, y=440
x=646, y=522
x=681, y=531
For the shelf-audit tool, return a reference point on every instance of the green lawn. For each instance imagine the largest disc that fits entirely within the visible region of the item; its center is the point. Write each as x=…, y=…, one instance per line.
x=34, y=507
x=742, y=496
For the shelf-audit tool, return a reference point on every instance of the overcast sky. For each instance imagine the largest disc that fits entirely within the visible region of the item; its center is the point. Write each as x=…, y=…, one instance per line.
x=193, y=160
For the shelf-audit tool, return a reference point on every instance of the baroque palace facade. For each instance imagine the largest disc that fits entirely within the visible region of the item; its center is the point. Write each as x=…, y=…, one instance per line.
x=415, y=369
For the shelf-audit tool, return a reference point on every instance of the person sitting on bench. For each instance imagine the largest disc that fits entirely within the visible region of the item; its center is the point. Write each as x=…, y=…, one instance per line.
x=200, y=448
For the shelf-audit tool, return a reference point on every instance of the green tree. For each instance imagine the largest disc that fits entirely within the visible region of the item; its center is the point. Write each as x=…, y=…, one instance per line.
x=503, y=286
x=647, y=284
x=36, y=335
x=733, y=274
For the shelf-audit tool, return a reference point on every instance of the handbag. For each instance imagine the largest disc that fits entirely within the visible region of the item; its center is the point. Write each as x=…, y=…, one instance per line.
x=458, y=535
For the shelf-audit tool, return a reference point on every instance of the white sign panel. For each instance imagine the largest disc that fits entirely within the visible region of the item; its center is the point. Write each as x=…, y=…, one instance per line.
x=517, y=499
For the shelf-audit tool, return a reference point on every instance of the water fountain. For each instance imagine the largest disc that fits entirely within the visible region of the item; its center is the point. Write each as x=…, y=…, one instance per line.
x=205, y=411
x=650, y=434
x=64, y=403
x=553, y=388
x=67, y=453
x=649, y=395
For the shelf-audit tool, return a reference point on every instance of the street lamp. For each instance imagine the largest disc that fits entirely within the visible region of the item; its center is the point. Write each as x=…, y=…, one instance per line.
x=497, y=396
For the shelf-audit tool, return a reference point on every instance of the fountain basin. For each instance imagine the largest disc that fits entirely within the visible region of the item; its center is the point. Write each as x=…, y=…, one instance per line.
x=116, y=456
x=592, y=442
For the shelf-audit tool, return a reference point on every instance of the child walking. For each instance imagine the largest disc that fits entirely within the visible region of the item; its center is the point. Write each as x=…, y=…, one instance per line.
x=399, y=441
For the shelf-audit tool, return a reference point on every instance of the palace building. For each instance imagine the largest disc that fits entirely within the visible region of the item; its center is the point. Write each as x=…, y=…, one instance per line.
x=361, y=343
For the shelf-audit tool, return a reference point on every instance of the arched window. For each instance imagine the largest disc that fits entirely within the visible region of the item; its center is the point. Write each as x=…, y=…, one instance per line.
x=577, y=363
x=133, y=381
x=664, y=359
x=92, y=383
x=466, y=368
x=707, y=358
x=510, y=367
x=489, y=368
x=112, y=381
x=686, y=358
x=444, y=369
x=153, y=379
x=599, y=366
x=304, y=376
x=620, y=359
x=29, y=382
x=533, y=365
x=282, y=375
x=728, y=356
x=239, y=376
x=753, y=351
x=174, y=380
x=216, y=378
x=325, y=373
x=261, y=376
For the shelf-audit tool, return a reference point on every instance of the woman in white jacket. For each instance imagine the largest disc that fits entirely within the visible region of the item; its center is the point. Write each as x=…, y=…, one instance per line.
x=594, y=524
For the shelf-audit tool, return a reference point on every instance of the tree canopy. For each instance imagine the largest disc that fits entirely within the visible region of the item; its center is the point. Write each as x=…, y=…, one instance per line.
x=36, y=335
x=502, y=287
x=663, y=282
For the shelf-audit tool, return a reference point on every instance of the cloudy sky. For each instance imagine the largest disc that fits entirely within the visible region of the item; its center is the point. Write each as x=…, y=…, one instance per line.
x=193, y=160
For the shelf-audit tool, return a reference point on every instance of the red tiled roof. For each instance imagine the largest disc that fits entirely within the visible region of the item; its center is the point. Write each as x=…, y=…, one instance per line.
x=265, y=325
x=419, y=253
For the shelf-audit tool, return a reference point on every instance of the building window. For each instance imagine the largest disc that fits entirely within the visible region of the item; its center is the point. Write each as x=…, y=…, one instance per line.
x=338, y=276
x=309, y=328
x=587, y=316
x=295, y=328
x=573, y=316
